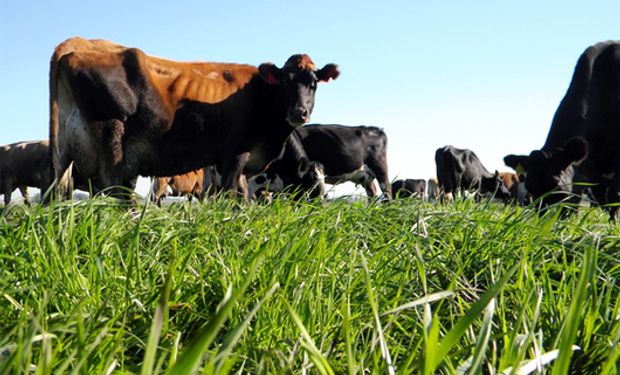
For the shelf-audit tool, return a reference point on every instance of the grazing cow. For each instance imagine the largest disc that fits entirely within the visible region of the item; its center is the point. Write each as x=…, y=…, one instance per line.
x=583, y=144
x=515, y=187
x=212, y=183
x=190, y=184
x=409, y=188
x=23, y=164
x=117, y=113
x=345, y=153
x=27, y=164
x=433, y=189
x=304, y=178
x=459, y=169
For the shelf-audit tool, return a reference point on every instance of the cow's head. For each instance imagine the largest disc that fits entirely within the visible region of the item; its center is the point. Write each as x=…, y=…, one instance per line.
x=297, y=81
x=311, y=178
x=550, y=172
x=496, y=186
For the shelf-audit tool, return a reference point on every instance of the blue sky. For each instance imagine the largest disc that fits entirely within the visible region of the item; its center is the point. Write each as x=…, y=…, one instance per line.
x=486, y=76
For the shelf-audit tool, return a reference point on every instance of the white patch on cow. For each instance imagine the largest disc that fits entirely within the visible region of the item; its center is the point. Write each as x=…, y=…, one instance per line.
x=320, y=173
x=210, y=75
x=261, y=181
x=74, y=140
x=521, y=192
x=360, y=176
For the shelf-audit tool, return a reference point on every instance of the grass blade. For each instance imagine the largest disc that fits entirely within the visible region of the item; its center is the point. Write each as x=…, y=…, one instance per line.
x=574, y=317
x=158, y=318
x=452, y=337
x=319, y=361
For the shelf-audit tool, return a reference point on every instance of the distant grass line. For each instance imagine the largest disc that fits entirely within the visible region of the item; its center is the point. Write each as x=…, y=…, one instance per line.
x=333, y=287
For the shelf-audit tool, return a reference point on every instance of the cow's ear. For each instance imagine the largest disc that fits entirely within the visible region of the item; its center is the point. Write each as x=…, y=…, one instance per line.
x=576, y=149
x=517, y=162
x=270, y=73
x=574, y=152
x=329, y=71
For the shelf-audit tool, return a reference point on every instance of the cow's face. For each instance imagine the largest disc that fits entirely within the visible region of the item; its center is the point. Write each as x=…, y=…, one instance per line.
x=496, y=186
x=297, y=82
x=552, y=172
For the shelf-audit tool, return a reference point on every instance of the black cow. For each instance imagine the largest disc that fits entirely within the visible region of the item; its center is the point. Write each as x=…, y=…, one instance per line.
x=27, y=164
x=346, y=153
x=409, y=188
x=460, y=169
x=583, y=144
x=116, y=113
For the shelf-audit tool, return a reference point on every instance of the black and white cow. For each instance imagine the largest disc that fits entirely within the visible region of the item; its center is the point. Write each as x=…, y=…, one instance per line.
x=583, y=144
x=340, y=153
x=461, y=170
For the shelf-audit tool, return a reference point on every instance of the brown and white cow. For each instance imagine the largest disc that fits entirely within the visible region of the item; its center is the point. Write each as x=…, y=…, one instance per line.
x=516, y=187
x=433, y=189
x=187, y=184
x=23, y=164
x=116, y=113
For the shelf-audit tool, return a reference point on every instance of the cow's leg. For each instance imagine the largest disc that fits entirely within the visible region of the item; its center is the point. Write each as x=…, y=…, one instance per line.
x=231, y=173
x=156, y=191
x=369, y=186
x=379, y=167
x=61, y=177
x=242, y=187
x=7, y=190
x=111, y=179
x=210, y=182
x=23, y=189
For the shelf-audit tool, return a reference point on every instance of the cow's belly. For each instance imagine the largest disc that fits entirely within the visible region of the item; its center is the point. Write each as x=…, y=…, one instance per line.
x=360, y=176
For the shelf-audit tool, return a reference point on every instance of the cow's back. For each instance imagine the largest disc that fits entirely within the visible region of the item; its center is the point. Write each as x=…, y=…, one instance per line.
x=603, y=117
x=569, y=119
x=27, y=163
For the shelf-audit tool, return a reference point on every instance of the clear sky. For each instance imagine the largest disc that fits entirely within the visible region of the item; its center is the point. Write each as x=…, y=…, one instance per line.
x=486, y=76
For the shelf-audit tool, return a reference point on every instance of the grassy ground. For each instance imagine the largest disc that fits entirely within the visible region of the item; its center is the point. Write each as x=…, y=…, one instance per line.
x=337, y=287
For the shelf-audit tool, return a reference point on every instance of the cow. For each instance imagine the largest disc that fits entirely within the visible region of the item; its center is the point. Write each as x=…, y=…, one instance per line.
x=116, y=113
x=516, y=187
x=343, y=153
x=433, y=189
x=461, y=170
x=27, y=164
x=23, y=164
x=190, y=184
x=409, y=188
x=582, y=151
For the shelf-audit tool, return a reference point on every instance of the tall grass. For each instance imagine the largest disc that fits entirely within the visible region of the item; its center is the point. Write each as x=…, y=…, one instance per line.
x=336, y=287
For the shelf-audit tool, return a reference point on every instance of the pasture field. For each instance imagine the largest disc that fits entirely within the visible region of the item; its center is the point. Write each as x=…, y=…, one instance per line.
x=328, y=288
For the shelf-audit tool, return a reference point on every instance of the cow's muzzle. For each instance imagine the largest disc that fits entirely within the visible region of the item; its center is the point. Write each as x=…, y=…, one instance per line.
x=297, y=116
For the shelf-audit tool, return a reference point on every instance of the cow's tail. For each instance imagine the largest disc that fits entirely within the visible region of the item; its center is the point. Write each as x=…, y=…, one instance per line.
x=54, y=123
x=58, y=169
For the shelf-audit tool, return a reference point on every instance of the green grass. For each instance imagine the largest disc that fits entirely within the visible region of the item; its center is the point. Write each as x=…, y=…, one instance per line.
x=329, y=288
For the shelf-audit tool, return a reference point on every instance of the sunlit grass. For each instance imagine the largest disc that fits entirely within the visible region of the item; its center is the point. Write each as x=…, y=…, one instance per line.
x=335, y=287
